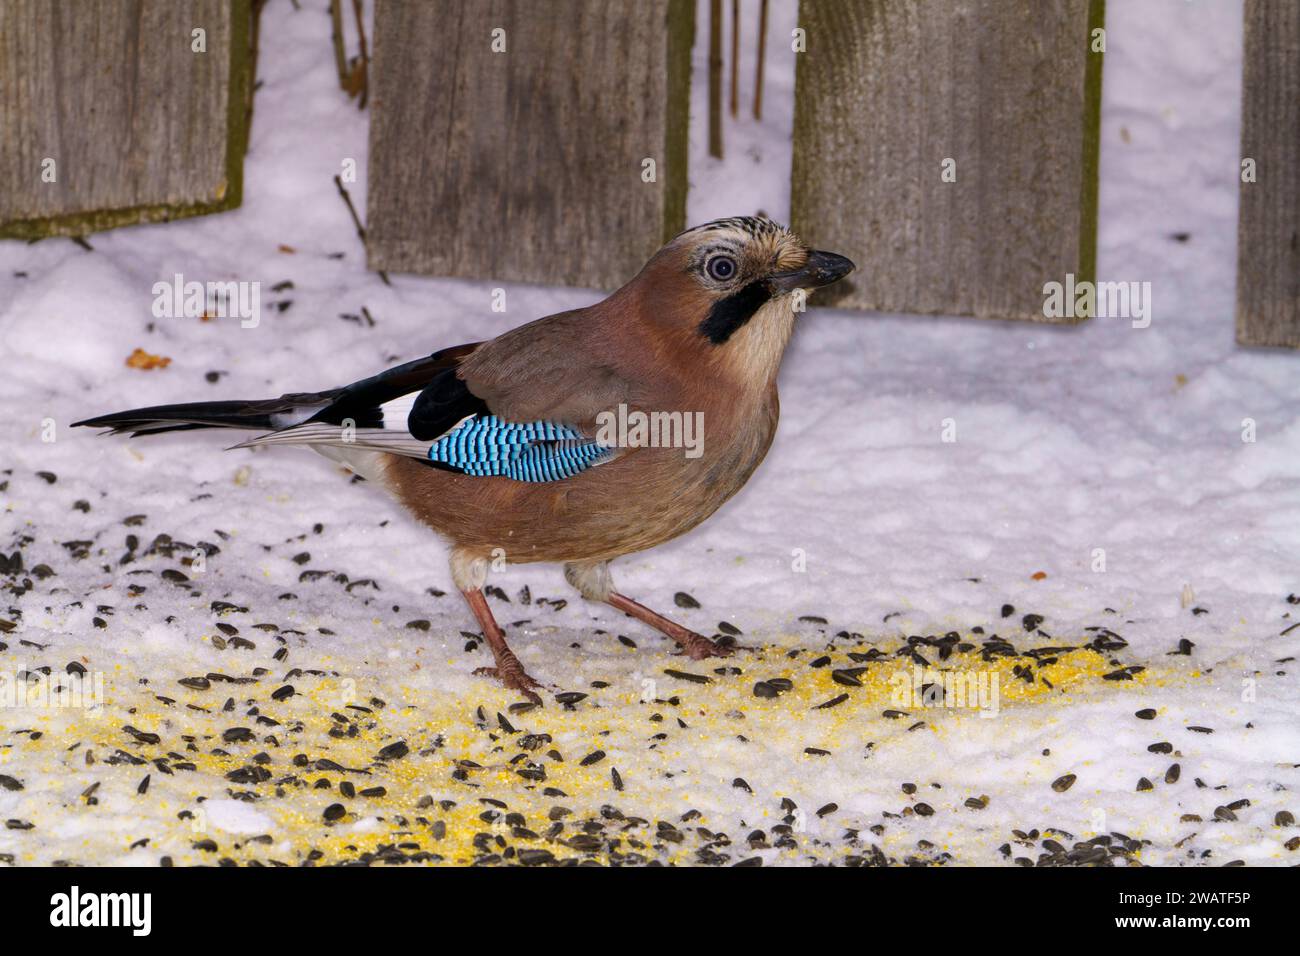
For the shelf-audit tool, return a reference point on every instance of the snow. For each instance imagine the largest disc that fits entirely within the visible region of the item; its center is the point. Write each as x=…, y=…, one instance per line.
x=234, y=816
x=1068, y=440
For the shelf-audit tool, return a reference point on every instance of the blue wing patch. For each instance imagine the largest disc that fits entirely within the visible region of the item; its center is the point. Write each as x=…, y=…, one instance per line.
x=528, y=451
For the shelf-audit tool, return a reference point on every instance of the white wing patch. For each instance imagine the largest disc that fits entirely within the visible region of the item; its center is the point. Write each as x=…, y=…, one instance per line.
x=296, y=416
x=396, y=412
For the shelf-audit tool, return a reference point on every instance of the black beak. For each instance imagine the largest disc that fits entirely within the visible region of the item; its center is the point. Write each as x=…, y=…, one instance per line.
x=821, y=269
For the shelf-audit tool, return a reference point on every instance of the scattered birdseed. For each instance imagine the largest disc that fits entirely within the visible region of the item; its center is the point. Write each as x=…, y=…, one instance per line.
x=684, y=675
x=394, y=751
x=833, y=702
x=501, y=761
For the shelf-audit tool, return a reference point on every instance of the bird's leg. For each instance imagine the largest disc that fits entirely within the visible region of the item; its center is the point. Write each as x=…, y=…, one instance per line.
x=695, y=646
x=508, y=670
x=469, y=571
x=593, y=582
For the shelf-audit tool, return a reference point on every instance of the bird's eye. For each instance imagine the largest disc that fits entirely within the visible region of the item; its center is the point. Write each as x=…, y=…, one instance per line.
x=720, y=268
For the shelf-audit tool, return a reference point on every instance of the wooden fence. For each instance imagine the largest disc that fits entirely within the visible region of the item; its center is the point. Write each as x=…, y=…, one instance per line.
x=949, y=148
x=1268, y=225
x=120, y=111
x=539, y=142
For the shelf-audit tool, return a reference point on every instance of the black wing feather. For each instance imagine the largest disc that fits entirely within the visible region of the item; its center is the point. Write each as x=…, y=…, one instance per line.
x=359, y=402
x=441, y=404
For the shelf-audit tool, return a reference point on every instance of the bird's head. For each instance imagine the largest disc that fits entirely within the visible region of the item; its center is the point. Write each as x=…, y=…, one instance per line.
x=732, y=287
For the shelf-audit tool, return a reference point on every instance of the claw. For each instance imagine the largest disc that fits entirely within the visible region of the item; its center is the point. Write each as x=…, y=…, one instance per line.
x=698, y=647
x=514, y=679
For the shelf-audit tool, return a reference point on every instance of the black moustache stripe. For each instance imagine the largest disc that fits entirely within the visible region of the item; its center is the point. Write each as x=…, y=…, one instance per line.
x=729, y=314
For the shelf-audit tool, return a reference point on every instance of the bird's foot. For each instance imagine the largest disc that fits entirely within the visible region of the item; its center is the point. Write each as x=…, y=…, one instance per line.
x=514, y=677
x=508, y=670
x=695, y=646
x=698, y=647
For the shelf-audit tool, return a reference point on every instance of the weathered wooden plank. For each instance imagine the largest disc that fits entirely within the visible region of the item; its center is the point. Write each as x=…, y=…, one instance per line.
x=1008, y=91
x=138, y=126
x=1268, y=224
x=527, y=164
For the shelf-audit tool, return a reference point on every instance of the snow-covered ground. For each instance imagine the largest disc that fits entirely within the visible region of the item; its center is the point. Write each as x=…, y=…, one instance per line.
x=1099, y=479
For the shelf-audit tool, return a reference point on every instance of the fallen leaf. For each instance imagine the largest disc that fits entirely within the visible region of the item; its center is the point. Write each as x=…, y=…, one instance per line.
x=142, y=359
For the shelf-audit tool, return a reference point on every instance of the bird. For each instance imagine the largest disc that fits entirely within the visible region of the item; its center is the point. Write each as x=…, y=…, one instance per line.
x=576, y=438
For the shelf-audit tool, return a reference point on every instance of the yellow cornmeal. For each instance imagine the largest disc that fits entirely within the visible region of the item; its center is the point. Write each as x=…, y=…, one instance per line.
x=614, y=719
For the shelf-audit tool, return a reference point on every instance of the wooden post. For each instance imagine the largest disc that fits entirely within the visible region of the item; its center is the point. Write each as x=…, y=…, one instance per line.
x=950, y=150
x=1268, y=224
x=528, y=141
x=735, y=58
x=715, y=78
x=762, y=55
x=110, y=114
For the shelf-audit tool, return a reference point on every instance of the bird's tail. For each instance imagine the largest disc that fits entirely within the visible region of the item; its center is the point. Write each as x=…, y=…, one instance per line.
x=262, y=415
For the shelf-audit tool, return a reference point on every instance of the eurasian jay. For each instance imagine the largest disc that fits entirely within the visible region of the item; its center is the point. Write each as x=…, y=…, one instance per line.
x=505, y=447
